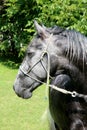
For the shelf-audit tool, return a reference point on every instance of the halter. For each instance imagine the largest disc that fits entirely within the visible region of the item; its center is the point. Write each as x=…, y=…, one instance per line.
x=47, y=71
x=40, y=60
x=64, y=91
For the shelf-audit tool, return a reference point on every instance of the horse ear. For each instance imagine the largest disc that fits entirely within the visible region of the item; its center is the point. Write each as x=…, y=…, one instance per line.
x=41, y=30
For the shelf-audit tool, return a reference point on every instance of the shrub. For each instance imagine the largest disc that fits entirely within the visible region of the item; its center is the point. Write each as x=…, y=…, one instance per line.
x=17, y=18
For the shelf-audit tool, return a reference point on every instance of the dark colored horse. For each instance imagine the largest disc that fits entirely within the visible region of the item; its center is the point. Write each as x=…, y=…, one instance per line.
x=62, y=53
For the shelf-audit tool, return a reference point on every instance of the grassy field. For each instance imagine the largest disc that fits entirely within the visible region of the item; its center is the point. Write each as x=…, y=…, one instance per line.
x=17, y=113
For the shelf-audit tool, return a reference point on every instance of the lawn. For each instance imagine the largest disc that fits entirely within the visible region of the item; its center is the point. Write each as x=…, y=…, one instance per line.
x=17, y=113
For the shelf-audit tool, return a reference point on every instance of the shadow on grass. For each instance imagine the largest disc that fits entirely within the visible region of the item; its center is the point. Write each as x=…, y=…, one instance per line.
x=10, y=62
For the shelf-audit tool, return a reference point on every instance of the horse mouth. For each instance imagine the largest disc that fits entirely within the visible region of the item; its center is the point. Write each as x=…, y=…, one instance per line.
x=25, y=93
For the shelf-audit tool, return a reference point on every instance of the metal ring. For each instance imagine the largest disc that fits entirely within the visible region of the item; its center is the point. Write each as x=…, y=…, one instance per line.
x=74, y=94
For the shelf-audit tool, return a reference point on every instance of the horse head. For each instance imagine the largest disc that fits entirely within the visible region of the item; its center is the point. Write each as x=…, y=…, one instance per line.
x=33, y=70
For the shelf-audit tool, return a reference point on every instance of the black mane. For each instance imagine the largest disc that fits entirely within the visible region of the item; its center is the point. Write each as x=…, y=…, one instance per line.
x=76, y=44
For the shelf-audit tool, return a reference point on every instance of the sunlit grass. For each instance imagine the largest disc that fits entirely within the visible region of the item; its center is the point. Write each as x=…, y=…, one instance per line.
x=17, y=113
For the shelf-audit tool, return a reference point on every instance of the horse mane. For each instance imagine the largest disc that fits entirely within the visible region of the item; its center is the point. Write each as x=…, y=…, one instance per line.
x=76, y=48
x=77, y=45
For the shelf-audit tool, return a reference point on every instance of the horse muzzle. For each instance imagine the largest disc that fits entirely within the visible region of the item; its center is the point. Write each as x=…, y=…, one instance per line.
x=23, y=93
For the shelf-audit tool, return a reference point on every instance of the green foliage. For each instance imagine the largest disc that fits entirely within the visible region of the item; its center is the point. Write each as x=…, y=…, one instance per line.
x=17, y=26
x=17, y=20
x=66, y=13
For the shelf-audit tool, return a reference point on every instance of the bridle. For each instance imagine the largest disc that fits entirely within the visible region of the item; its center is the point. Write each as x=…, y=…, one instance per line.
x=44, y=52
x=64, y=91
x=46, y=70
x=39, y=61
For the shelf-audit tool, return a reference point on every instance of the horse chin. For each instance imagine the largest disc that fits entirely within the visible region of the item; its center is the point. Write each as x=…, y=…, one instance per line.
x=26, y=94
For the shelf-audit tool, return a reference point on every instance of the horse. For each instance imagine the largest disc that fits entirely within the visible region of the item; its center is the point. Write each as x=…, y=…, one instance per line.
x=59, y=56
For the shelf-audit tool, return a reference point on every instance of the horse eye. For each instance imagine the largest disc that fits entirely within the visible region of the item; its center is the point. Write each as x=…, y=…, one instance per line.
x=30, y=54
x=40, y=47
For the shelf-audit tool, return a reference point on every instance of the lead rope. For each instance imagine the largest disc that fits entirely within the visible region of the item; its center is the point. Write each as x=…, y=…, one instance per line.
x=64, y=91
x=48, y=67
x=73, y=93
x=48, y=78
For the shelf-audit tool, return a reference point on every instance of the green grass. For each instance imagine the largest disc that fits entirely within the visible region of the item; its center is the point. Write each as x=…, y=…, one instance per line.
x=17, y=113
